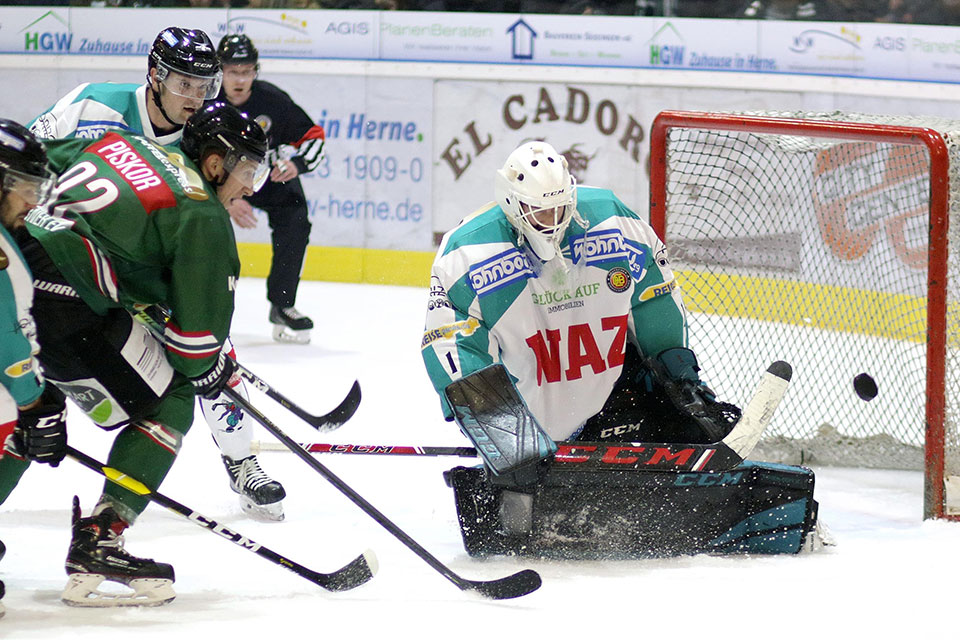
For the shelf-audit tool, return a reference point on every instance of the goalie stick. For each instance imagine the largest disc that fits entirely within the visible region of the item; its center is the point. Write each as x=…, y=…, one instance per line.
x=640, y=456
x=512, y=586
x=327, y=422
x=354, y=574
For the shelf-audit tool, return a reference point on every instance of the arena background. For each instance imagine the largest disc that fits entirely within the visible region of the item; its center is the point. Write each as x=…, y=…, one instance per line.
x=421, y=108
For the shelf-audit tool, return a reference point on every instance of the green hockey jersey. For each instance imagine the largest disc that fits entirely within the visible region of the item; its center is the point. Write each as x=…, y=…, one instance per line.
x=561, y=327
x=134, y=224
x=92, y=109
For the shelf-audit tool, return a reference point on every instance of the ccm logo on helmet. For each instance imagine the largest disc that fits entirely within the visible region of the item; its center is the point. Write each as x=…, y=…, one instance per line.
x=552, y=193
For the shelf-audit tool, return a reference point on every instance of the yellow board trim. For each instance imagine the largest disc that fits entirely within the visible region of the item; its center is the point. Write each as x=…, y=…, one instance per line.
x=806, y=304
x=346, y=264
x=798, y=303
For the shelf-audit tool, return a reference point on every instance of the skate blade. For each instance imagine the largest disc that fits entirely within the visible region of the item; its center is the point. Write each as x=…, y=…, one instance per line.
x=81, y=591
x=262, y=512
x=287, y=335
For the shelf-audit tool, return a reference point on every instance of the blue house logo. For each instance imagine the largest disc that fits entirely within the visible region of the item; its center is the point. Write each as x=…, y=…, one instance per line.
x=521, y=40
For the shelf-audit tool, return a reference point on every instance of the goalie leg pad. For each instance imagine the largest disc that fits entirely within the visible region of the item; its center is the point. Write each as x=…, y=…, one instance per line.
x=479, y=514
x=753, y=508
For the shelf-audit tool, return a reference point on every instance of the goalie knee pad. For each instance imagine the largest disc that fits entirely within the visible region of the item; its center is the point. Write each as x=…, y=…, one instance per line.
x=753, y=508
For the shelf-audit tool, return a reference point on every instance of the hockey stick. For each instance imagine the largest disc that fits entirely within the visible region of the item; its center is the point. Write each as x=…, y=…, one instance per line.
x=155, y=318
x=639, y=456
x=716, y=456
x=512, y=586
x=354, y=574
x=378, y=449
x=325, y=423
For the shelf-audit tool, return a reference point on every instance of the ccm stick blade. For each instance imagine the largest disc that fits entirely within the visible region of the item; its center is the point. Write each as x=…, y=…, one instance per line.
x=343, y=412
x=327, y=422
x=513, y=586
x=360, y=570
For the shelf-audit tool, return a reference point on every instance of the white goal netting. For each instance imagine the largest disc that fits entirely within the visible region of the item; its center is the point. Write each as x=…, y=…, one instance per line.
x=811, y=244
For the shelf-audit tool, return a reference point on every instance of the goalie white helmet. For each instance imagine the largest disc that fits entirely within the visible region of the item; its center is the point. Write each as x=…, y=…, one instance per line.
x=538, y=195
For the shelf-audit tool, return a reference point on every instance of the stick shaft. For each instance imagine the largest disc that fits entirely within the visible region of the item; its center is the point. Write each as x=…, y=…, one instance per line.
x=358, y=573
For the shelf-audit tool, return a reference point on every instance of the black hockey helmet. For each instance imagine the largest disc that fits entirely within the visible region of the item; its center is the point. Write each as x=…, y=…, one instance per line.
x=221, y=128
x=237, y=48
x=23, y=163
x=189, y=52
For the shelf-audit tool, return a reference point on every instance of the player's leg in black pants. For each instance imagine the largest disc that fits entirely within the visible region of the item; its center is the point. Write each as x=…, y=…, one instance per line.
x=290, y=234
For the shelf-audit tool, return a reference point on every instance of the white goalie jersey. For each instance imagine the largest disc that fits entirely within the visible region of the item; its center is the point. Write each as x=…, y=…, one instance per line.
x=560, y=327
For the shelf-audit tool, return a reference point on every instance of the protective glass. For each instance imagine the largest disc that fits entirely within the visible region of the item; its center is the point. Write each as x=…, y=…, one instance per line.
x=250, y=172
x=33, y=190
x=190, y=86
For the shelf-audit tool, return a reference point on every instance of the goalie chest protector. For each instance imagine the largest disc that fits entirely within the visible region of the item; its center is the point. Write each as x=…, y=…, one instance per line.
x=753, y=508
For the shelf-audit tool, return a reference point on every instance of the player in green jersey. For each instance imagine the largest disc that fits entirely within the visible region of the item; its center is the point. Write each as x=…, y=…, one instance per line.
x=132, y=226
x=183, y=70
x=32, y=414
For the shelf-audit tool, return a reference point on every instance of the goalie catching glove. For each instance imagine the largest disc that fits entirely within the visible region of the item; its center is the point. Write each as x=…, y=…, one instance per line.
x=214, y=381
x=678, y=372
x=41, y=431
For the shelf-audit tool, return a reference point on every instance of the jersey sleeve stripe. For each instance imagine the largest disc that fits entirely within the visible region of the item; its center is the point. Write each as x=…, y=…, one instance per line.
x=190, y=344
x=105, y=278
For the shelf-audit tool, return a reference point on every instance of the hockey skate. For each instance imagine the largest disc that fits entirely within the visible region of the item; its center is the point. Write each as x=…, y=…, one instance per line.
x=96, y=555
x=260, y=495
x=289, y=325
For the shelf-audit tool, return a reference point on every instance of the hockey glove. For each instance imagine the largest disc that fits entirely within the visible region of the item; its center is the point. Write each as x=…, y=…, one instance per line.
x=41, y=431
x=678, y=372
x=215, y=380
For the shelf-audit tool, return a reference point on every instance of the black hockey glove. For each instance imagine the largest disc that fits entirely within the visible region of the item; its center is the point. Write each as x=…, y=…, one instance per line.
x=41, y=431
x=214, y=381
x=678, y=373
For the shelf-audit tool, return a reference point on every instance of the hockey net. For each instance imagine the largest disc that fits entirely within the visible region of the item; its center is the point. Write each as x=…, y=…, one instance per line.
x=827, y=240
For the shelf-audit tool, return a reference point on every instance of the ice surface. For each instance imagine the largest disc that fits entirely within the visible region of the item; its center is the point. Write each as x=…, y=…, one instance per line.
x=892, y=576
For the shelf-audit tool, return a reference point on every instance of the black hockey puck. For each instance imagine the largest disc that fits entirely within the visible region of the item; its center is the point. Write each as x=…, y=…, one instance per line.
x=865, y=387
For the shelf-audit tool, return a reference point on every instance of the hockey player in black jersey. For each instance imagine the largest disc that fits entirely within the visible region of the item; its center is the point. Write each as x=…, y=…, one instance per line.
x=296, y=147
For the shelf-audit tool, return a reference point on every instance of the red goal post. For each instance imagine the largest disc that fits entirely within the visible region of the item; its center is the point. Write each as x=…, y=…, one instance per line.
x=824, y=240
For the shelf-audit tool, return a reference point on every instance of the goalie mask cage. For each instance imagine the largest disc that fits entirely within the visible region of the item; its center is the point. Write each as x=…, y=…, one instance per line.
x=825, y=240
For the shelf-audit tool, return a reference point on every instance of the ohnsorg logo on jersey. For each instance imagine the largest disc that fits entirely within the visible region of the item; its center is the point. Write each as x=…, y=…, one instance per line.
x=601, y=247
x=499, y=271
